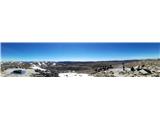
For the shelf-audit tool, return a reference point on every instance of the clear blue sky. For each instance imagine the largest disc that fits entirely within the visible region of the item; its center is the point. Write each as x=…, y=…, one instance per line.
x=78, y=51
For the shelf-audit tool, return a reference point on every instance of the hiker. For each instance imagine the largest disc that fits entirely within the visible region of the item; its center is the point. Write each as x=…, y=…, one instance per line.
x=123, y=66
x=110, y=66
x=132, y=69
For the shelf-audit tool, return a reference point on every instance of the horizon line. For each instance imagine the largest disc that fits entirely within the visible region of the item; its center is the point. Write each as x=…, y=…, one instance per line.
x=77, y=60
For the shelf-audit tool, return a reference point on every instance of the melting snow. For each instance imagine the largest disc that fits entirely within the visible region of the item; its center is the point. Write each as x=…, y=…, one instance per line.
x=36, y=67
x=73, y=75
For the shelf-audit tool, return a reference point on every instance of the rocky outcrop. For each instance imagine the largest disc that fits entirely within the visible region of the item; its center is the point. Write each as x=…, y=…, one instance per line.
x=103, y=68
x=45, y=74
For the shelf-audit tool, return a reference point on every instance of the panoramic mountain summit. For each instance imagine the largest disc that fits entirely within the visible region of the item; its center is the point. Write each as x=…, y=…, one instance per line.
x=80, y=59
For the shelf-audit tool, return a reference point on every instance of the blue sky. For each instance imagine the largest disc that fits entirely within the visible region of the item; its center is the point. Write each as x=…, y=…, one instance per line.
x=78, y=51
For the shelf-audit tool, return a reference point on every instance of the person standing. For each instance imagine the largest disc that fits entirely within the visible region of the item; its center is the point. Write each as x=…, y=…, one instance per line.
x=123, y=66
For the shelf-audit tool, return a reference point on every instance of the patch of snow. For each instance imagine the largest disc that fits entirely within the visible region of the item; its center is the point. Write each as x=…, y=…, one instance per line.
x=25, y=72
x=39, y=63
x=73, y=75
x=54, y=64
x=37, y=68
x=143, y=72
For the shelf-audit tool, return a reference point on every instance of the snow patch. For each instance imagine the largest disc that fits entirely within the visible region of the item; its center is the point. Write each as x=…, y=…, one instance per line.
x=73, y=75
x=37, y=68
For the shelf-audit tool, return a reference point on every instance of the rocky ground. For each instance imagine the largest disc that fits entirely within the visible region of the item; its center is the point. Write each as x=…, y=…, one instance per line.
x=118, y=72
x=27, y=69
x=134, y=68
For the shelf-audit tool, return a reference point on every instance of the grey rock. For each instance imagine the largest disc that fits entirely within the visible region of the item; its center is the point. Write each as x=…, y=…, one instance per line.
x=144, y=72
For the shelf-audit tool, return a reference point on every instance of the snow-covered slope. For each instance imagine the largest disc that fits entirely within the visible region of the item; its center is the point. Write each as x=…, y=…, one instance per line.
x=35, y=67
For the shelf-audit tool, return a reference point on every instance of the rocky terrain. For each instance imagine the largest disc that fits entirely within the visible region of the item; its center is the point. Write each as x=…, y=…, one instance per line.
x=127, y=68
x=27, y=69
x=142, y=68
